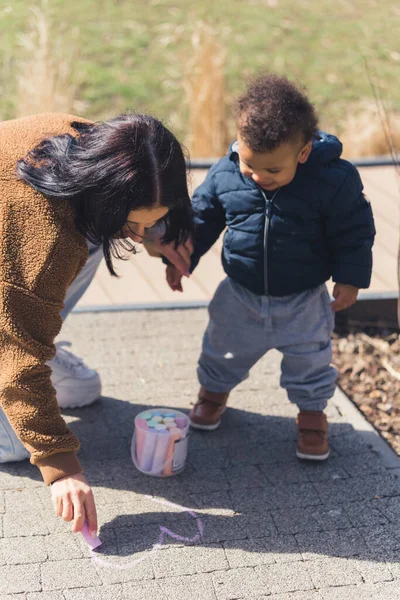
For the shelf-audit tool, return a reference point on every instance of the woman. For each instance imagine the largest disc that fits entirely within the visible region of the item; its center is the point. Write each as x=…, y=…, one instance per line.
x=71, y=191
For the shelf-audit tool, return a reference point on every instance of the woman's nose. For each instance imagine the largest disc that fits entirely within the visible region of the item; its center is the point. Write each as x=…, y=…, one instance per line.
x=138, y=233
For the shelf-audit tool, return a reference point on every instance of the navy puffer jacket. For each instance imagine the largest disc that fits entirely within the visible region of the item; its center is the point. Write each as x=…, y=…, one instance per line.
x=320, y=225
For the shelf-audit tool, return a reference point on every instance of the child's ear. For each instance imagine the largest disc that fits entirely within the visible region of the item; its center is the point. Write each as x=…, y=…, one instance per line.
x=305, y=153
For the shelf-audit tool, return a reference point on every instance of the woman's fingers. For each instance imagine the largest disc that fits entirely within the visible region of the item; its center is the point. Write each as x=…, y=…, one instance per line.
x=58, y=506
x=91, y=514
x=174, y=257
x=67, y=510
x=74, y=501
x=189, y=246
x=185, y=253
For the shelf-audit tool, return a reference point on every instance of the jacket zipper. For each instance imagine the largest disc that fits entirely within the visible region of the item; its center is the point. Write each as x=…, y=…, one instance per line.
x=268, y=208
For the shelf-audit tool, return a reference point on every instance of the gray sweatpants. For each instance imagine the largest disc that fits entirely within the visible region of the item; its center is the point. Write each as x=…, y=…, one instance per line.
x=244, y=326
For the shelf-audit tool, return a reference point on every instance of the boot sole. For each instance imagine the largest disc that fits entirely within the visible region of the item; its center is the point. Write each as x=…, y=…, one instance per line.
x=312, y=456
x=205, y=427
x=84, y=396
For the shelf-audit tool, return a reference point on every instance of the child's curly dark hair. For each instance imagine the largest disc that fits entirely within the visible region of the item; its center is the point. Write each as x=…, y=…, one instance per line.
x=274, y=111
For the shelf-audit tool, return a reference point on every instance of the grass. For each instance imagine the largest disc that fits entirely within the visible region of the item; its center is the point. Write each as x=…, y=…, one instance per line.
x=134, y=53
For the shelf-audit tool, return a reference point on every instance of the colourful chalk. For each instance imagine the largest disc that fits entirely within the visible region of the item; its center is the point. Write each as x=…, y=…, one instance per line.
x=146, y=415
x=174, y=435
x=141, y=427
x=157, y=418
x=181, y=422
x=156, y=413
x=168, y=420
x=160, y=451
x=149, y=447
x=169, y=414
x=160, y=427
x=152, y=423
x=93, y=542
x=171, y=425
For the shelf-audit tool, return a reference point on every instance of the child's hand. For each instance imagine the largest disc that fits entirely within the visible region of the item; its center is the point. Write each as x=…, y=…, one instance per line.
x=174, y=278
x=345, y=295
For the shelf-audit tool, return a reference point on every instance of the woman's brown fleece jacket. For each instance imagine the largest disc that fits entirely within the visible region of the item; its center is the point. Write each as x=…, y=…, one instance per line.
x=41, y=253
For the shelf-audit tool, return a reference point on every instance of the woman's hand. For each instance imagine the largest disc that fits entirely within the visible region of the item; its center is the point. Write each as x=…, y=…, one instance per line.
x=174, y=278
x=179, y=257
x=73, y=501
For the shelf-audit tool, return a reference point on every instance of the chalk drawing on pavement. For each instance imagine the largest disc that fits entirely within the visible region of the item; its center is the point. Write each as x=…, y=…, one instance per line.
x=164, y=532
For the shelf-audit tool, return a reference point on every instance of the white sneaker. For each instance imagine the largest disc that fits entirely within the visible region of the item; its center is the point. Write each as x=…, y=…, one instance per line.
x=76, y=385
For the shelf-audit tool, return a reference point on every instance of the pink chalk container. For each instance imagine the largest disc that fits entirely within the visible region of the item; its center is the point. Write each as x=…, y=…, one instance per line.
x=160, y=448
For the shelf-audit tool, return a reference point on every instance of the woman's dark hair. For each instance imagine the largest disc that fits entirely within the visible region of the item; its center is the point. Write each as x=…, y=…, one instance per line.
x=110, y=168
x=273, y=111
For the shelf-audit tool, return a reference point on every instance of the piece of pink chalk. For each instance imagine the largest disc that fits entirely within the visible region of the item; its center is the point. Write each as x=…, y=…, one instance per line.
x=93, y=542
x=181, y=422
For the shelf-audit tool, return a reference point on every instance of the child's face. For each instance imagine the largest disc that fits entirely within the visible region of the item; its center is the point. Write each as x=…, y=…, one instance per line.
x=274, y=169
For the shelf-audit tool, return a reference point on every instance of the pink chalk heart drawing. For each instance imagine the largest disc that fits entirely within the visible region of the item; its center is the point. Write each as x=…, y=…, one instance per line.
x=164, y=532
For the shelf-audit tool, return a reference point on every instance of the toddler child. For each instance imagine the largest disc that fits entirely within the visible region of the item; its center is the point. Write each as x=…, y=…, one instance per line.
x=295, y=215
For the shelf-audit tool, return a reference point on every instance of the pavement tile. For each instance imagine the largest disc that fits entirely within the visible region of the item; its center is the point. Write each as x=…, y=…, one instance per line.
x=221, y=529
x=296, y=495
x=349, y=444
x=64, y=574
x=238, y=583
x=247, y=553
x=22, y=500
x=340, y=543
x=359, y=489
x=204, y=481
x=23, y=550
x=382, y=541
x=24, y=524
x=371, y=570
x=189, y=560
x=257, y=525
x=366, y=513
x=245, y=477
x=282, y=548
x=390, y=508
x=184, y=588
x=9, y=477
x=394, y=568
x=331, y=572
x=143, y=590
x=258, y=501
x=104, y=592
x=286, y=577
x=63, y=546
x=360, y=465
x=19, y=578
x=331, y=517
x=296, y=520
x=221, y=501
x=114, y=568
x=384, y=591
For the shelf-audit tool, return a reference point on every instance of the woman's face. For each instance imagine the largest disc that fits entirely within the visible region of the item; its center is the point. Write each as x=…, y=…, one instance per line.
x=140, y=220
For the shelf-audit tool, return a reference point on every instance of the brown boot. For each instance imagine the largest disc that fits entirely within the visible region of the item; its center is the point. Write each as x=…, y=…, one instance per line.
x=207, y=412
x=312, y=443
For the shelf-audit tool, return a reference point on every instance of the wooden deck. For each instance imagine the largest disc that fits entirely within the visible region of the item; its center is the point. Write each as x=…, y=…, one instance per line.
x=142, y=278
